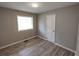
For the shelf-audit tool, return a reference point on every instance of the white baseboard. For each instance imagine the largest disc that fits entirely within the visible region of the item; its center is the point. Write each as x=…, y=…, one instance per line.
x=65, y=47
x=17, y=42
x=41, y=37
x=58, y=44
x=34, y=37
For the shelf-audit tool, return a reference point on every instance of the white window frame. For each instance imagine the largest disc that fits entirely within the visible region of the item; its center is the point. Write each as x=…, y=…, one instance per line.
x=19, y=21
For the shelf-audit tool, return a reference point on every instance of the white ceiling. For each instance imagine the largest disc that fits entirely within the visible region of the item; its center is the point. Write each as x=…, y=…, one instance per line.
x=43, y=6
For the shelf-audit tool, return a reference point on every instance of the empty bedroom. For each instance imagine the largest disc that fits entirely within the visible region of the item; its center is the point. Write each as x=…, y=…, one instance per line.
x=39, y=29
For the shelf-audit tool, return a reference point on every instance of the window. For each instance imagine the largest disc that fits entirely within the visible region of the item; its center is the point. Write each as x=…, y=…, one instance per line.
x=24, y=23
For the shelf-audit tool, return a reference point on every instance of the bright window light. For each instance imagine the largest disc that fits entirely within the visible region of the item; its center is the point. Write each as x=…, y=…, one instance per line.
x=24, y=23
x=34, y=5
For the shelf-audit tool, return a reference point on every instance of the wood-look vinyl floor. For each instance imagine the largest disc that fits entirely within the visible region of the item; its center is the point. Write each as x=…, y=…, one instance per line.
x=35, y=47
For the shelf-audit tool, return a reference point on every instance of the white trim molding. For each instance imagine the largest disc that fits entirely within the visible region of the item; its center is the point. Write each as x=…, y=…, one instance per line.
x=17, y=42
x=65, y=47
x=58, y=44
x=41, y=37
x=34, y=37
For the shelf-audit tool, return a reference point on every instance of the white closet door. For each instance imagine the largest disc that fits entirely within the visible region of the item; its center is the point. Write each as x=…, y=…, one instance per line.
x=50, y=22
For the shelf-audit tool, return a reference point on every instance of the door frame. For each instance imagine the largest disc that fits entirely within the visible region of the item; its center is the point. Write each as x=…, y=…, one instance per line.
x=55, y=26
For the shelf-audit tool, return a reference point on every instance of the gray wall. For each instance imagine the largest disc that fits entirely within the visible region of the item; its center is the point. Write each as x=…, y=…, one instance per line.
x=66, y=26
x=9, y=29
x=42, y=25
x=77, y=44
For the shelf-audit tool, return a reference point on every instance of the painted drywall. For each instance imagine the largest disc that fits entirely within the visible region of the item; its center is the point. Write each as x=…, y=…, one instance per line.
x=42, y=25
x=66, y=26
x=77, y=44
x=9, y=29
